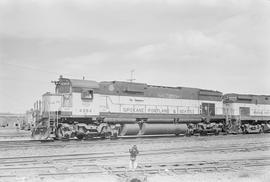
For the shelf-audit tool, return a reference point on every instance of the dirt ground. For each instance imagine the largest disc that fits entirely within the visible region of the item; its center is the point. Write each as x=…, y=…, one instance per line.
x=12, y=133
x=243, y=176
x=246, y=158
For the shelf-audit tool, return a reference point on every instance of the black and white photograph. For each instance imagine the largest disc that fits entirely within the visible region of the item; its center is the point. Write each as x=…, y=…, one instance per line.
x=134, y=90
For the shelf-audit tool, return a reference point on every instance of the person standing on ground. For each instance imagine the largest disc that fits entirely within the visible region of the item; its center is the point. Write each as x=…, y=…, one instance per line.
x=133, y=154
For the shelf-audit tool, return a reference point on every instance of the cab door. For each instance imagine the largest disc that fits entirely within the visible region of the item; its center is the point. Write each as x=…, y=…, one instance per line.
x=244, y=111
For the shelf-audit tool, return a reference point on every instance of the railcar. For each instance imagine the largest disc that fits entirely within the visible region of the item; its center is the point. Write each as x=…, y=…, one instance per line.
x=87, y=109
x=247, y=113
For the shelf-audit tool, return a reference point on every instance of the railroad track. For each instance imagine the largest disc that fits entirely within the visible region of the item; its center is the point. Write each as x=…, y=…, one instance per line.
x=153, y=168
x=47, y=161
x=72, y=143
x=99, y=161
x=27, y=137
x=262, y=146
x=197, y=166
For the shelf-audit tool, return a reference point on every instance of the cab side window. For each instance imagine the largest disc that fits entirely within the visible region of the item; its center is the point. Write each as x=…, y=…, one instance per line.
x=87, y=94
x=208, y=109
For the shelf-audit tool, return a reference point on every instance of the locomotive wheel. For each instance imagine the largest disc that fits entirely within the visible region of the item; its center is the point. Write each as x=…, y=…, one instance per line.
x=59, y=133
x=81, y=133
x=106, y=135
x=62, y=132
x=190, y=132
x=114, y=136
x=203, y=133
x=80, y=136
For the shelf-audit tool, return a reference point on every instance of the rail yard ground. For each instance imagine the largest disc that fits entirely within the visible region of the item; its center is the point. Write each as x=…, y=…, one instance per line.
x=208, y=158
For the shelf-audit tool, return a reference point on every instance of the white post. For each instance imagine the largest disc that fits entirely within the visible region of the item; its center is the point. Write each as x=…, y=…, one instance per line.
x=57, y=117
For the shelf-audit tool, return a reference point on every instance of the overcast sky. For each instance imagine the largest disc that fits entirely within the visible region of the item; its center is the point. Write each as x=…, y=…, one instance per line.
x=213, y=44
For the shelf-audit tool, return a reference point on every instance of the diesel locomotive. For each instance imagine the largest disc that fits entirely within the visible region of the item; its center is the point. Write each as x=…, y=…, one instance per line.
x=247, y=113
x=87, y=109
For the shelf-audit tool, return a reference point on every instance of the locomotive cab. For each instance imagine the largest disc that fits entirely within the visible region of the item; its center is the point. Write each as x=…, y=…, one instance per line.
x=71, y=110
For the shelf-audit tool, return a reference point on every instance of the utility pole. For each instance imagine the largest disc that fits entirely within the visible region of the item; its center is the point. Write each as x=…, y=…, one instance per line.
x=131, y=76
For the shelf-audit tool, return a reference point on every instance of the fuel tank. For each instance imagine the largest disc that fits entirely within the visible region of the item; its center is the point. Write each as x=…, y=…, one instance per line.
x=156, y=129
x=129, y=129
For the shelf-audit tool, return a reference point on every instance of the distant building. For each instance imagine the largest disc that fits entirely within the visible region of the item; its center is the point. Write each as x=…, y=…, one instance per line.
x=10, y=120
x=29, y=120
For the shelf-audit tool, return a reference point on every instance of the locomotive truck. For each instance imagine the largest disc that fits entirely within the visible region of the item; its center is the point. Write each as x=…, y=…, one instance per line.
x=86, y=109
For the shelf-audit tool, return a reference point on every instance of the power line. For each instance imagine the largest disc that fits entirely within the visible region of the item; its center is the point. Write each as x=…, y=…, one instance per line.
x=33, y=68
x=27, y=67
x=20, y=79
